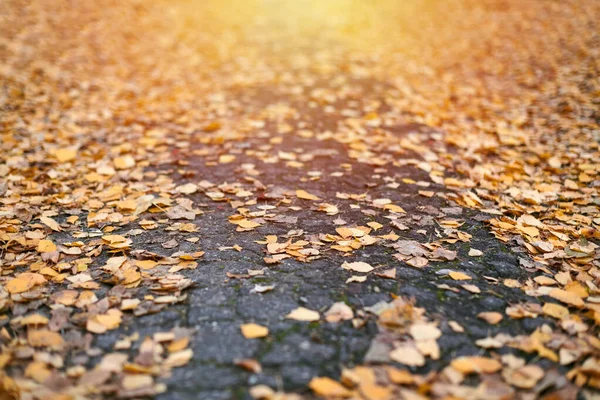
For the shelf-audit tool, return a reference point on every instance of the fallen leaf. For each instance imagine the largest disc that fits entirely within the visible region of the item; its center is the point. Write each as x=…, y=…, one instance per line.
x=45, y=338
x=339, y=312
x=179, y=358
x=408, y=355
x=456, y=327
x=124, y=162
x=46, y=246
x=52, y=224
x=327, y=387
x=424, y=331
x=476, y=364
x=303, y=314
x=356, y=278
x=459, y=276
x=248, y=364
x=555, y=310
x=302, y=194
x=387, y=274
x=491, y=317
x=137, y=381
x=358, y=266
x=566, y=297
x=525, y=377
x=254, y=331
x=66, y=154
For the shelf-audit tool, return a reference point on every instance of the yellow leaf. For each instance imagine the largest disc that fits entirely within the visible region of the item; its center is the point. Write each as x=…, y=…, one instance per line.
x=66, y=154
x=327, y=387
x=408, y=355
x=66, y=297
x=247, y=224
x=127, y=205
x=248, y=364
x=372, y=391
x=374, y=225
x=18, y=285
x=400, y=376
x=8, y=387
x=529, y=230
x=525, y=377
x=358, y=266
x=254, y=331
x=566, y=297
x=24, y=282
x=136, y=381
x=303, y=314
x=178, y=345
x=555, y=310
x=111, y=320
x=212, y=126
x=339, y=311
x=456, y=327
x=103, y=322
x=38, y=371
x=477, y=364
x=577, y=289
x=94, y=326
x=46, y=246
x=124, y=162
x=302, y=194
x=544, y=280
x=424, y=331
x=356, y=278
x=179, y=358
x=471, y=288
x=52, y=224
x=34, y=319
x=188, y=188
x=129, y=304
x=45, y=338
x=130, y=276
x=146, y=264
x=226, y=158
x=344, y=232
x=394, y=208
x=459, y=276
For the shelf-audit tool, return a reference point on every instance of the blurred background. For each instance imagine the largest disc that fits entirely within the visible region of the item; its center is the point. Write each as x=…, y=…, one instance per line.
x=447, y=51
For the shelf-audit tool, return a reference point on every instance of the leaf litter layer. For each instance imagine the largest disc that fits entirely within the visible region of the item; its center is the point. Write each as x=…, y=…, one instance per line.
x=121, y=118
